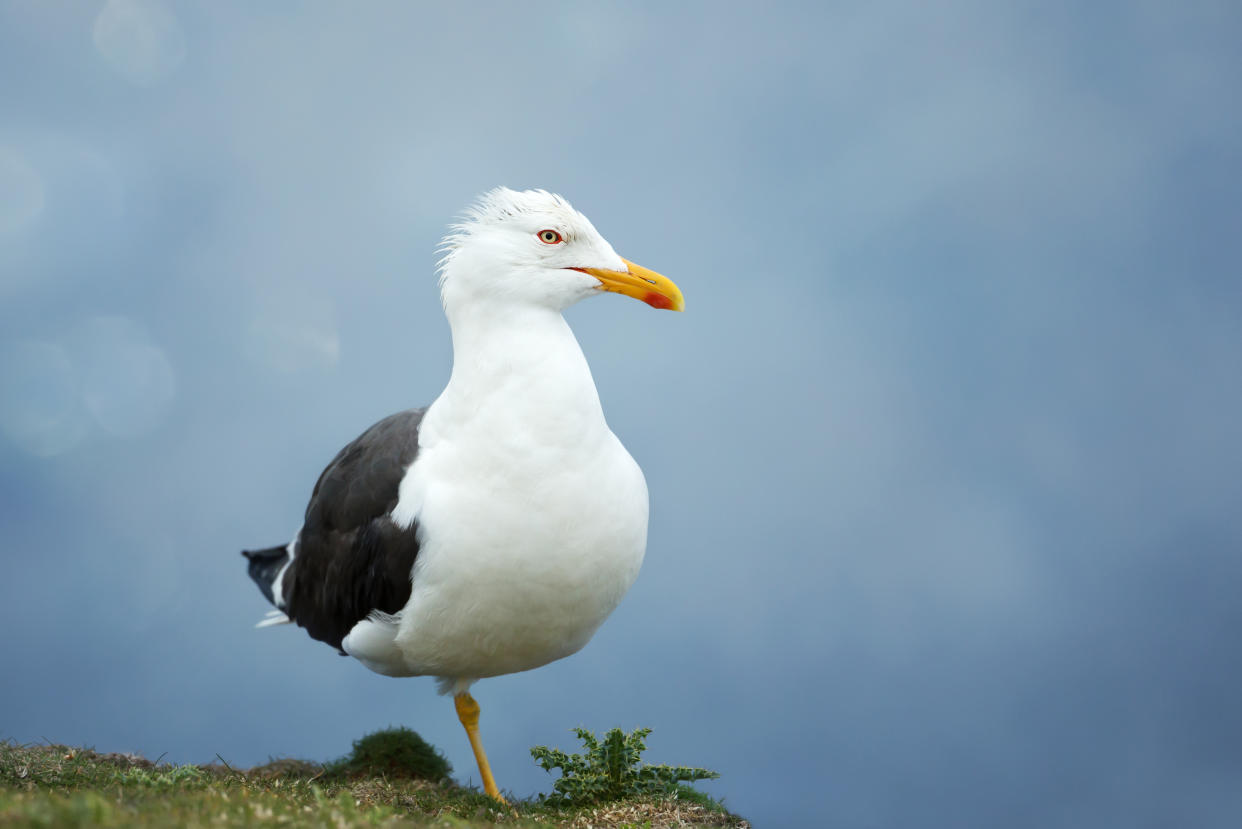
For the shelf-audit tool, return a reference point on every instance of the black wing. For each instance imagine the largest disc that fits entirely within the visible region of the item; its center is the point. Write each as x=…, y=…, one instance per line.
x=351, y=559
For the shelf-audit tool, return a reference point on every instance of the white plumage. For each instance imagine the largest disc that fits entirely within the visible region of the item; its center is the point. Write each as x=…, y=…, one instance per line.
x=532, y=515
x=529, y=516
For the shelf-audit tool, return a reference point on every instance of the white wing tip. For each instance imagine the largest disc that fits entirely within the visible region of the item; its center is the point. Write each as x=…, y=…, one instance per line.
x=273, y=618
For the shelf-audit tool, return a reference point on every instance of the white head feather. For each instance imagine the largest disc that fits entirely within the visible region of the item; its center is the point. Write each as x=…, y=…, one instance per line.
x=497, y=254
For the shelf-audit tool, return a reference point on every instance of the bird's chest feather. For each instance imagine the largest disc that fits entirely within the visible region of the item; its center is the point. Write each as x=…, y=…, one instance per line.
x=531, y=512
x=526, y=547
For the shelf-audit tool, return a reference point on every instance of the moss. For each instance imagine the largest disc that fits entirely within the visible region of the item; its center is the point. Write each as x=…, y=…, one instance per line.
x=394, y=753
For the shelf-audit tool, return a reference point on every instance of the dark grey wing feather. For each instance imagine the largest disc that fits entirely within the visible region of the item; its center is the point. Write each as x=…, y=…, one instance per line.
x=351, y=559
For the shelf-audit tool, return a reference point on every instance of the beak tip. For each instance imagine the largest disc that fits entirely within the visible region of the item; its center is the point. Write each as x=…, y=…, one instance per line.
x=664, y=303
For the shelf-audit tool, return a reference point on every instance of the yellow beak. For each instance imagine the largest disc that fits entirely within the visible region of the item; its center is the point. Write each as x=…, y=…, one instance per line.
x=652, y=288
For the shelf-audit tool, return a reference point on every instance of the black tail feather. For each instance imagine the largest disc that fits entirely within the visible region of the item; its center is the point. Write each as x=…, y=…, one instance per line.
x=265, y=566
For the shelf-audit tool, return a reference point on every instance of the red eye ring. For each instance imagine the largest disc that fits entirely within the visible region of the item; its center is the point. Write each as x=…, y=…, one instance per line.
x=550, y=237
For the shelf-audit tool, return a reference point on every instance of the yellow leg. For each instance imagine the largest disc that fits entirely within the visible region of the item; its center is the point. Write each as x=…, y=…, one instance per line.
x=468, y=713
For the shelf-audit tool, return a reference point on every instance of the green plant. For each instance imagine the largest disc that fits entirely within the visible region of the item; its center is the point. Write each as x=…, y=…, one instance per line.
x=610, y=770
x=169, y=777
x=395, y=753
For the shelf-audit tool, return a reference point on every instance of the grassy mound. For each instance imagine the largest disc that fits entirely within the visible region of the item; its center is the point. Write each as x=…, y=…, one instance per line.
x=54, y=785
x=396, y=754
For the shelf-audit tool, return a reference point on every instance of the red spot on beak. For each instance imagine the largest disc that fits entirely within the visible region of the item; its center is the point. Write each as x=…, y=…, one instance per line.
x=658, y=300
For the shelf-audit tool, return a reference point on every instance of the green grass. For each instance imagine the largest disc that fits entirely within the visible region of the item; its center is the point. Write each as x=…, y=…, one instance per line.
x=394, y=753
x=58, y=786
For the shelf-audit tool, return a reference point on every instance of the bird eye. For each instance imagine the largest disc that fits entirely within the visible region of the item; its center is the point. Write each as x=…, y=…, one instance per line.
x=550, y=237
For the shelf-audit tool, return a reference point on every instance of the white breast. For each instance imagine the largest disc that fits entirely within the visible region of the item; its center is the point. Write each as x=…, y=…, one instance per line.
x=522, y=571
x=532, y=517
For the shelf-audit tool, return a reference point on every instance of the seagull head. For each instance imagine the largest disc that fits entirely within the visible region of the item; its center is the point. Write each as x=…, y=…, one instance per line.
x=531, y=247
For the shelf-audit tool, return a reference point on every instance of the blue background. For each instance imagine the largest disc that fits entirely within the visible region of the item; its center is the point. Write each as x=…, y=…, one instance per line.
x=944, y=454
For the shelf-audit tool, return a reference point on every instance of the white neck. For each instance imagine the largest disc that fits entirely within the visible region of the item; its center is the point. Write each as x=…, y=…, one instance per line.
x=518, y=373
